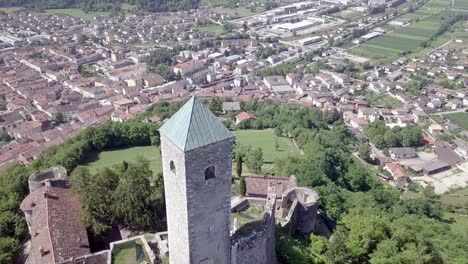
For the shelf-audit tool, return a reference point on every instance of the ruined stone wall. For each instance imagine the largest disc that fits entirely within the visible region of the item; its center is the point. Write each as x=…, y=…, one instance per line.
x=259, y=246
x=299, y=209
x=55, y=177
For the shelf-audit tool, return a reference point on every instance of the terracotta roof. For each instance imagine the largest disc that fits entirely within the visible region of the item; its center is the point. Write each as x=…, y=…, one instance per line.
x=56, y=231
x=245, y=116
x=257, y=186
x=396, y=170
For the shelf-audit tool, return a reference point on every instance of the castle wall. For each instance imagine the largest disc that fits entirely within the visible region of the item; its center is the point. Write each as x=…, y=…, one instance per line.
x=55, y=177
x=302, y=212
x=259, y=246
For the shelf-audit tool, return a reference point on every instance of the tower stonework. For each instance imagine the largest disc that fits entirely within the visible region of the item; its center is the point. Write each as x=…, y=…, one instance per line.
x=197, y=166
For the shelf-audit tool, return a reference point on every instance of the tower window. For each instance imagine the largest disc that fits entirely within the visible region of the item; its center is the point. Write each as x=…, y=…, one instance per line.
x=210, y=173
x=172, y=166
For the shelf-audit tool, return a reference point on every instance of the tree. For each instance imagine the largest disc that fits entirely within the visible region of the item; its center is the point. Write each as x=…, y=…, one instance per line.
x=242, y=186
x=364, y=151
x=4, y=136
x=255, y=160
x=57, y=117
x=95, y=194
x=9, y=247
x=239, y=164
x=132, y=203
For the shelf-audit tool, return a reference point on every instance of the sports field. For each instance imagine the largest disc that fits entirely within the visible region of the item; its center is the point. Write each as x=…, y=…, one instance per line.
x=460, y=119
x=266, y=139
x=111, y=157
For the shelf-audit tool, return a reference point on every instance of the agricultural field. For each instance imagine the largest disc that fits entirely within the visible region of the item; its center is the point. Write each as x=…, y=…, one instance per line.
x=409, y=38
x=460, y=119
x=76, y=12
x=460, y=4
x=111, y=157
x=239, y=11
x=266, y=139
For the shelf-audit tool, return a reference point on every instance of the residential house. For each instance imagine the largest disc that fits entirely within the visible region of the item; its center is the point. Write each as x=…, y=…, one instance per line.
x=402, y=153
x=398, y=173
x=244, y=116
x=461, y=148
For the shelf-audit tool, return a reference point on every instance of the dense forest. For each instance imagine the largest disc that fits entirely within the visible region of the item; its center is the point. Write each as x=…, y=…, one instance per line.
x=106, y=5
x=374, y=224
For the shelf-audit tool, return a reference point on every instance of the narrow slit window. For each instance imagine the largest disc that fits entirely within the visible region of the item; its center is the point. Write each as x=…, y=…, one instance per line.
x=172, y=166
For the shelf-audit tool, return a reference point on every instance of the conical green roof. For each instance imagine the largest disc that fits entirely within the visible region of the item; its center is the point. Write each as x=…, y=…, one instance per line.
x=194, y=126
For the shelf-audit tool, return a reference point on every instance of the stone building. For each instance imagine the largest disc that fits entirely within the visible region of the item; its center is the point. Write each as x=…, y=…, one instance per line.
x=197, y=166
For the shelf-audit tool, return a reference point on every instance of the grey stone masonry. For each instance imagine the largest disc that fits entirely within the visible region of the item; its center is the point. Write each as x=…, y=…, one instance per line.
x=198, y=202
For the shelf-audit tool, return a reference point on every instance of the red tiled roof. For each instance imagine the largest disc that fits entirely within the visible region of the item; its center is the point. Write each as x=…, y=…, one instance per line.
x=245, y=116
x=56, y=229
x=396, y=170
x=257, y=186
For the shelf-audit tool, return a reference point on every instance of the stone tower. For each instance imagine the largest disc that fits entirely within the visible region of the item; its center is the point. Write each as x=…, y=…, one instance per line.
x=197, y=166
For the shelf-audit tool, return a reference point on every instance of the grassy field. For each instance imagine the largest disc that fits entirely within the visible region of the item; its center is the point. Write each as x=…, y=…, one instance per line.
x=456, y=198
x=255, y=138
x=76, y=12
x=240, y=11
x=461, y=223
x=460, y=119
x=383, y=99
x=218, y=29
x=10, y=9
x=266, y=140
x=112, y=157
x=461, y=4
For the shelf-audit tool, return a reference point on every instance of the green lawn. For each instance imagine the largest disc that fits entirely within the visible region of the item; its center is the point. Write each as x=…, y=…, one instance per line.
x=461, y=4
x=239, y=11
x=266, y=139
x=218, y=29
x=132, y=252
x=460, y=119
x=456, y=198
x=255, y=138
x=461, y=223
x=76, y=12
x=248, y=220
x=383, y=99
x=112, y=157
x=10, y=9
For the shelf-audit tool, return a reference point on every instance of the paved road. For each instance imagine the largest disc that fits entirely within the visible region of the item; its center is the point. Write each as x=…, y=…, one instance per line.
x=452, y=112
